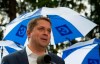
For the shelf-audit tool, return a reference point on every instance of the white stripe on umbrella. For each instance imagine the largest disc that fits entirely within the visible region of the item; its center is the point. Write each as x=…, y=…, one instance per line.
x=9, y=44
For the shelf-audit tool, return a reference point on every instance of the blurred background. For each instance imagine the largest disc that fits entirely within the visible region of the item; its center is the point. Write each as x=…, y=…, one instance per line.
x=10, y=9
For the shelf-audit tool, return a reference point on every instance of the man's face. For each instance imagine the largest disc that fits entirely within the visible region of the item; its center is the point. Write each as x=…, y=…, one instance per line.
x=40, y=35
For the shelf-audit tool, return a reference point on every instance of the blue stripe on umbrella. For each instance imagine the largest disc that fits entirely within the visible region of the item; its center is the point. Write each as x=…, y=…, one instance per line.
x=10, y=50
x=96, y=41
x=62, y=29
x=66, y=53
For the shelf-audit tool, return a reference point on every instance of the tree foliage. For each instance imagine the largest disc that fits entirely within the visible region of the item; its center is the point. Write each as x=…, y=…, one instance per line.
x=95, y=11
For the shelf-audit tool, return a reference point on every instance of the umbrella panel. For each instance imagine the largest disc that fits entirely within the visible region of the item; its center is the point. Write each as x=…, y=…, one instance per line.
x=19, y=32
x=62, y=29
x=93, y=57
x=86, y=54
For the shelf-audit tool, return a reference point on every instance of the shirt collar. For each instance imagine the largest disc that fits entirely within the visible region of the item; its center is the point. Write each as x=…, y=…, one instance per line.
x=29, y=52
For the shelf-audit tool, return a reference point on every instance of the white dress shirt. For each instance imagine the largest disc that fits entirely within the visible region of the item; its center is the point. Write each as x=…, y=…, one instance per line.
x=32, y=57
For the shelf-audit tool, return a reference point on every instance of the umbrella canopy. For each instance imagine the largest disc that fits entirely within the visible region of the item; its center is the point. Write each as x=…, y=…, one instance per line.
x=83, y=53
x=16, y=29
x=7, y=47
x=66, y=25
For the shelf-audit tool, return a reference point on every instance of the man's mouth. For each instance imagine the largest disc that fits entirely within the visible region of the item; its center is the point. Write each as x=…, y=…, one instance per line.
x=45, y=39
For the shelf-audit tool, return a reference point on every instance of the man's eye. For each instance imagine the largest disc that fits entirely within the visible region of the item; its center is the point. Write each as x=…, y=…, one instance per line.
x=41, y=28
x=49, y=31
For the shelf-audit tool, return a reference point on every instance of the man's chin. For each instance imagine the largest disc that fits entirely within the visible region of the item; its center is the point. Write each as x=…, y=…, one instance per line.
x=44, y=45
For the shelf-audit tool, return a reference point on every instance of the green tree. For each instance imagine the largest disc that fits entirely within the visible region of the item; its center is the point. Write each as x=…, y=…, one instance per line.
x=9, y=7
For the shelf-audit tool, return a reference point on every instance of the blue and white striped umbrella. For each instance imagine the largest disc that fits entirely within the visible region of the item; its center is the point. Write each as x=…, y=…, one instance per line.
x=7, y=47
x=66, y=25
x=83, y=53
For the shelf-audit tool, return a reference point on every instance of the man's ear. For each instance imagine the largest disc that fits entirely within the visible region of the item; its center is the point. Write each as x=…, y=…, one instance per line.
x=28, y=33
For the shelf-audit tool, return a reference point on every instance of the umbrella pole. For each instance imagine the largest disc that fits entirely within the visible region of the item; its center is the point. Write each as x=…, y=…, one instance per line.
x=99, y=52
x=1, y=52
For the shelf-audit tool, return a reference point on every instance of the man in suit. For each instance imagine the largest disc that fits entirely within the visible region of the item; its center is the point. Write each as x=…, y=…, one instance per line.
x=38, y=32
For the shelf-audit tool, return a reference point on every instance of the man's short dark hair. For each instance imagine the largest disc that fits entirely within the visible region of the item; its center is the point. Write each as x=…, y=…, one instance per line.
x=33, y=22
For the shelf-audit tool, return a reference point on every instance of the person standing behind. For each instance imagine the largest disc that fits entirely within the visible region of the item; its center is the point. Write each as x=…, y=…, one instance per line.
x=39, y=34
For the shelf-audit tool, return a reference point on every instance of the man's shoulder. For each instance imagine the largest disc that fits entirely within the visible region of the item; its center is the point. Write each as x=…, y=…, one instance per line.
x=15, y=58
x=14, y=54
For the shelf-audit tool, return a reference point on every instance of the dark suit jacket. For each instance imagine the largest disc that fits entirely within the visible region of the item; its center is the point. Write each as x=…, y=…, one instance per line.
x=20, y=57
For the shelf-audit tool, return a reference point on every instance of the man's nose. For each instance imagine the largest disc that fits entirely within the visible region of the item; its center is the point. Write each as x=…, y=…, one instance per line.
x=46, y=32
